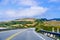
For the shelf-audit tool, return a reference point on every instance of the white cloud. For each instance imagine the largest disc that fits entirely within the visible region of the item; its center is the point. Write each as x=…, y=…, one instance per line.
x=19, y=2
x=29, y=12
x=27, y=2
x=33, y=10
x=11, y=13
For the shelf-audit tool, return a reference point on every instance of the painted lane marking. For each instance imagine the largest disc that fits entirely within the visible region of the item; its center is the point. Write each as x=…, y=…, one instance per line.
x=12, y=36
x=39, y=35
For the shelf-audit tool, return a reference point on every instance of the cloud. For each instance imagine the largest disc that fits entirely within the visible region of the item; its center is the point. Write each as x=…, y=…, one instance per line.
x=27, y=2
x=29, y=12
x=33, y=10
x=19, y=2
x=10, y=13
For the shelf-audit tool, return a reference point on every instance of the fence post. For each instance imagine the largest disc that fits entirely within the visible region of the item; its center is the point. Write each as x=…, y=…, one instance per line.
x=53, y=31
x=57, y=30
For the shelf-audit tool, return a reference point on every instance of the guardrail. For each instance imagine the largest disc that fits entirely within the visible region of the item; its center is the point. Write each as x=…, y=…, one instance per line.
x=6, y=29
x=11, y=29
x=54, y=33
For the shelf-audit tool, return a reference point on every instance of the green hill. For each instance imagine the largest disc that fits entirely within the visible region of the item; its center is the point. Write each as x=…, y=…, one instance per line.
x=30, y=23
x=19, y=23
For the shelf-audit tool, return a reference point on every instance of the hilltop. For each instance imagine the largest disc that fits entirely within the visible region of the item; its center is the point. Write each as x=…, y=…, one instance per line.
x=25, y=19
x=19, y=23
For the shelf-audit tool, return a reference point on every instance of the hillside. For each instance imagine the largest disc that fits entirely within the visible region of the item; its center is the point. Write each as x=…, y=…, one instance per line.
x=29, y=23
x=52, y=23
x=25, y=19
x=19, y=23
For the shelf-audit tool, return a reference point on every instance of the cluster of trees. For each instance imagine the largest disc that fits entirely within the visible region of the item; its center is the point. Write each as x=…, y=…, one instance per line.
x=41, y=26
x=22, y=24
x=15, y=24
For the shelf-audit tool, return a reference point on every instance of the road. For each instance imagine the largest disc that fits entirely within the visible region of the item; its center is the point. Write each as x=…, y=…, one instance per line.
x=22, y=34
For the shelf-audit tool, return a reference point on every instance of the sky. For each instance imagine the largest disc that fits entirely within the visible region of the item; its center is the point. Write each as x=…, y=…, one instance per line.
x=14, y=9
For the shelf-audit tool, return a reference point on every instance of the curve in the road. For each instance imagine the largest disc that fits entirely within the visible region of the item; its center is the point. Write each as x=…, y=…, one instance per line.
x=12, y=36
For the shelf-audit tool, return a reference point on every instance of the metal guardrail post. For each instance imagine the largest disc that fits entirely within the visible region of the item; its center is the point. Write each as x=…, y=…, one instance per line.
x=57, y=30
x=53, y=31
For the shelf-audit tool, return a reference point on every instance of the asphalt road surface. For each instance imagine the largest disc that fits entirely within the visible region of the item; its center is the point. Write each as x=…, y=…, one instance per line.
x=22, y=34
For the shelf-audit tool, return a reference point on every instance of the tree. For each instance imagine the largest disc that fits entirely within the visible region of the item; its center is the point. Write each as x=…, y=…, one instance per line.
x=39, y=24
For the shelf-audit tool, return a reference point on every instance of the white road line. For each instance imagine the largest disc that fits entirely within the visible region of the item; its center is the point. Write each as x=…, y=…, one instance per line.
x=39, y=35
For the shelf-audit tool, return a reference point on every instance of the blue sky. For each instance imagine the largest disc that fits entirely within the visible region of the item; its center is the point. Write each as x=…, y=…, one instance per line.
x=13, y=9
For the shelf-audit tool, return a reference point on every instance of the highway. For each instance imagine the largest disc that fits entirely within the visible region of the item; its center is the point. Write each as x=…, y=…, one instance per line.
x=22, y=34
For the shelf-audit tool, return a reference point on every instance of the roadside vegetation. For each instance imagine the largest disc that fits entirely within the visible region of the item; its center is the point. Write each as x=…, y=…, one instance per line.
x=38, y=24
x=17, y=24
